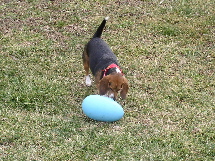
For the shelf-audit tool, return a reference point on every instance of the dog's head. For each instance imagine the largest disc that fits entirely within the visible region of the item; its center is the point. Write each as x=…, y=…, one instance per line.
x=111, y=84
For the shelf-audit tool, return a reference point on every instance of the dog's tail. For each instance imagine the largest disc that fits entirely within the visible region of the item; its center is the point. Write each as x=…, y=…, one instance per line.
x=100, y=28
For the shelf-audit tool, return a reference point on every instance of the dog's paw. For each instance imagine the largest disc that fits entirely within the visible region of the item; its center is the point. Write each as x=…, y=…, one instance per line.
x=88, y=81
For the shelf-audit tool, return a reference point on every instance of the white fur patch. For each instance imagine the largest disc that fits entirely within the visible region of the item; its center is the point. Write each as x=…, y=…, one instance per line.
x=118, y=71
x=111, y=95
x=88, y=80
x=106, y=18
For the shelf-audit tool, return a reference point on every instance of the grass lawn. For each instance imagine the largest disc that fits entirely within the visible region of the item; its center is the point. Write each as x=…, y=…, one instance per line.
x=166, y=49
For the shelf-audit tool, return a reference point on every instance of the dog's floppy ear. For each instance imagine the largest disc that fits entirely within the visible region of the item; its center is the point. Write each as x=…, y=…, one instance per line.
x=104, y=85
x=124, y=90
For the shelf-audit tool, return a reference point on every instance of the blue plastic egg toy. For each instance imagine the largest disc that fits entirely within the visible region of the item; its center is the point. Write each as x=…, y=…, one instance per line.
x=102, y=108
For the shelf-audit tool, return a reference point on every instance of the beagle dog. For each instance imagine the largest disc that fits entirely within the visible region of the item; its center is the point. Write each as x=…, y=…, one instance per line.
x=103, y=63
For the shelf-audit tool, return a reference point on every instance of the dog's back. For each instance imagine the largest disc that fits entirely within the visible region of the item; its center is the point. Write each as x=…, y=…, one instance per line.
x=99, y=52
x=100, y=55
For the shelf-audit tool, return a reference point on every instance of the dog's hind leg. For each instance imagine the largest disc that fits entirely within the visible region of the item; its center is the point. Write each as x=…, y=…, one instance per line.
x=86, y=64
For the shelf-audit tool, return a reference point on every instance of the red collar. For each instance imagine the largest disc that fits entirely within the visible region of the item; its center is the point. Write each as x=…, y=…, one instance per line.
x=109, y=67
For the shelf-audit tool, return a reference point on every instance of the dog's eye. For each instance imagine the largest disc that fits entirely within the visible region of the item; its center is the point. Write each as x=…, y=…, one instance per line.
x=121, y=86
x=109, y=83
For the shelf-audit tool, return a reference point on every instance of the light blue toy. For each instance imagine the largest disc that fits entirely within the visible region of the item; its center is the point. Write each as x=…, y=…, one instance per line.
x=102, y=108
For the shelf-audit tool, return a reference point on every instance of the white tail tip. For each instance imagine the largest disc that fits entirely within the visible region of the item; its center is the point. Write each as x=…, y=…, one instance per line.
x=106, y=18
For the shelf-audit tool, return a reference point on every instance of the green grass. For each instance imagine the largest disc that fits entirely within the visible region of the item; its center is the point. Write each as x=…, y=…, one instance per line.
x=166, y=51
